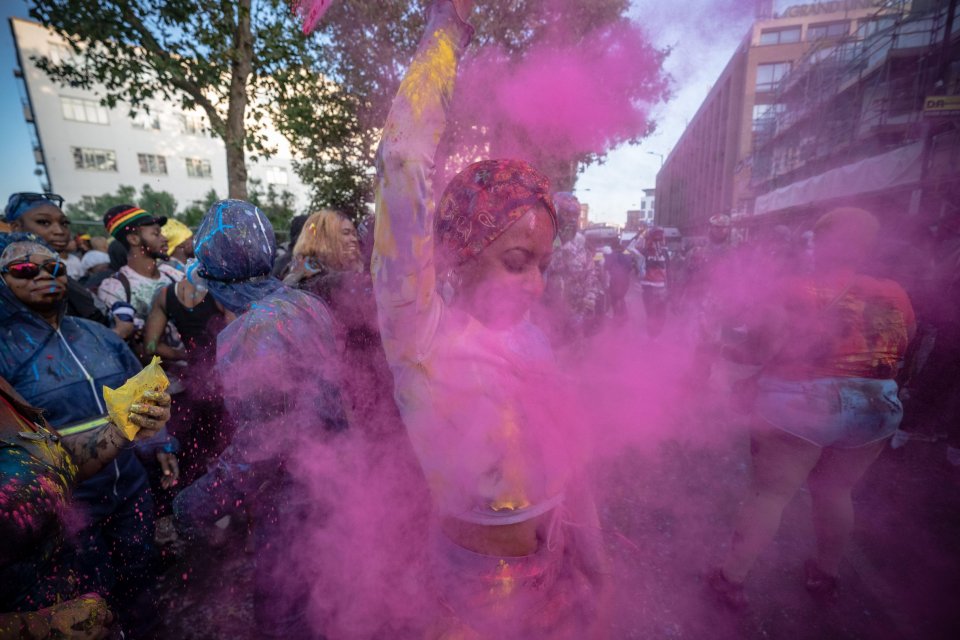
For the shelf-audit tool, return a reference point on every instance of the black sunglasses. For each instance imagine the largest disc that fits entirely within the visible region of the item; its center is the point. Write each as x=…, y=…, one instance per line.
x=25, y=197
x=30, y=270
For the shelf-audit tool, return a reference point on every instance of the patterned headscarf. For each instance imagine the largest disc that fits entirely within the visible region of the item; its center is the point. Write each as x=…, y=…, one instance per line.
x=483, y=201
x=235, y=246
x=15, y=247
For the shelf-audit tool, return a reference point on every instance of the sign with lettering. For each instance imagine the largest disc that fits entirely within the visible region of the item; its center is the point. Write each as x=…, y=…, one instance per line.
x=941, y=106
x=832, y=6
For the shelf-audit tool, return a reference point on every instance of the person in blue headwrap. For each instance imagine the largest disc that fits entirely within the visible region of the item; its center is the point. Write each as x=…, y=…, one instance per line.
x=61, y=364
x=21, y=203
x=42, y=214
x=278, y=364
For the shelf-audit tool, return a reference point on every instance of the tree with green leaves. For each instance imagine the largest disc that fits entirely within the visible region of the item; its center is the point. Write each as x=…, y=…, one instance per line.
x=161, y=203
x=368, y=45
x=236, y=60
x=193, y=213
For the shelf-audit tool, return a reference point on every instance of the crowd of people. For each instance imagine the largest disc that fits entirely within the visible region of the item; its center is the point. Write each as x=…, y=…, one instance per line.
x=439, y=328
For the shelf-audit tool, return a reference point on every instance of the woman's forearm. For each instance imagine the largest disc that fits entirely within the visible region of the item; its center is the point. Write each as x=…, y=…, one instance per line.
x=94, y=449
x=403, y=263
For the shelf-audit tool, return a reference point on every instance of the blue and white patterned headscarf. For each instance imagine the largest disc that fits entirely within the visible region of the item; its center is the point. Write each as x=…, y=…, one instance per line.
x=236, y=247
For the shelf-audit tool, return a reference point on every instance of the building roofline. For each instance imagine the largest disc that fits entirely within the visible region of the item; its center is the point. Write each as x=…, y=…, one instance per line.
x=744, y=42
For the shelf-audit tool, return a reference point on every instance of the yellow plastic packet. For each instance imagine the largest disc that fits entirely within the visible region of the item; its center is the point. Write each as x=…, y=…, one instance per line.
x=119, y=401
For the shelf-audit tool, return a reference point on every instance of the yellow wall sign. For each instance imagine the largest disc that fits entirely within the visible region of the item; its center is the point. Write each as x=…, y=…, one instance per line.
x=941, y=106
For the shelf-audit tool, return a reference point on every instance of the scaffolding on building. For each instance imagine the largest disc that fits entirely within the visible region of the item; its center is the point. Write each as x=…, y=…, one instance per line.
x=857, y=96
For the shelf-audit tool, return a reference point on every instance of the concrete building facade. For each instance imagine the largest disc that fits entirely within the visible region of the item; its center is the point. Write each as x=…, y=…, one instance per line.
x=870, y=121
x=708, y=171
x=645, y=215
x=85, y=149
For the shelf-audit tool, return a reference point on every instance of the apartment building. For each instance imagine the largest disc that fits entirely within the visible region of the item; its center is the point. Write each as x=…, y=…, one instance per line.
x=82, y=148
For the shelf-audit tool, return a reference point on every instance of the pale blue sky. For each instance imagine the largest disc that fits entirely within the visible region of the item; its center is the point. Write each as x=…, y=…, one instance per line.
x=16, y=161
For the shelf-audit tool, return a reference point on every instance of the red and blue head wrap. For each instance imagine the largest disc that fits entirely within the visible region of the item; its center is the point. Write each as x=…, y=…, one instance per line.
x=483, y=201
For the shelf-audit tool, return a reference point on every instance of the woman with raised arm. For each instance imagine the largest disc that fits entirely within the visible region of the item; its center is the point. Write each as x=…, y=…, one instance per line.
x=480, y=394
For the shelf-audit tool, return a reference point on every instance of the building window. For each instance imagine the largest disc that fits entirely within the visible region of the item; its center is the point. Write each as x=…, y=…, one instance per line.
x=831, y=30
x=192, y=123
x=789, y=35
x=94, y=159
x=60, y=53
x=277, y=175
x=197, y=168
x=769, y=75
x=765, y=116
x=643, y=206
x=872, y=26
x=80, y=110
x=144, y=120
x=152, y=164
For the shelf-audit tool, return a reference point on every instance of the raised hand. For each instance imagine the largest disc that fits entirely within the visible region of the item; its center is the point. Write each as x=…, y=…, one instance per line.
x=464, y=8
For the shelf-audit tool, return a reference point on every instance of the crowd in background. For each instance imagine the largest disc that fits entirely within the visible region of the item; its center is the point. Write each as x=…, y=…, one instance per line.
x=142, y=292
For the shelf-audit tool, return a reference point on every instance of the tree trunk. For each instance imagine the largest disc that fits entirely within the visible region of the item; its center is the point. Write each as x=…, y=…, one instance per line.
x=235, y=135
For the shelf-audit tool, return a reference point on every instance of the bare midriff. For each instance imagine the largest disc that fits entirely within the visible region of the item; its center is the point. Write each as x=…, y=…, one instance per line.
x=508, y=540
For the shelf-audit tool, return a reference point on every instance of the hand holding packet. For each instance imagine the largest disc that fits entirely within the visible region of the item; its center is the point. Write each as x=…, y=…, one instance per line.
x=119, y=401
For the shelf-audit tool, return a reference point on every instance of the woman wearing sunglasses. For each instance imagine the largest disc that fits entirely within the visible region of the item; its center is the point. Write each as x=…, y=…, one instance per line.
x=42, y=215
x=60, y=364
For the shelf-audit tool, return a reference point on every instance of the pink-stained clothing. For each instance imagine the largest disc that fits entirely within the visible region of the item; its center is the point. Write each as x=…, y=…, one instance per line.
x=857, y=327
x=483, y=408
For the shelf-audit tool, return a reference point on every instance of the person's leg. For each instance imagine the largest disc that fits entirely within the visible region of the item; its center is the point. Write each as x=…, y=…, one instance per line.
x=620, y=308
x=831, y=482
x=650, y=310
x=781, y=462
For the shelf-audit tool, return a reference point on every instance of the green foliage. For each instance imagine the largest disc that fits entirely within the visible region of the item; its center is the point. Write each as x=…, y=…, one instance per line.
x=334, y=153
x=159, y=203
x=193, y=213
x=93, y=208
x=368, y=45
x=278, y=206
x=245, y=64
x=239, y=61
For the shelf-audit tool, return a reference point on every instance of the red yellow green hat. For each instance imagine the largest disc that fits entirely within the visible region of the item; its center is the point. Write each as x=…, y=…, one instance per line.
x=123, y=217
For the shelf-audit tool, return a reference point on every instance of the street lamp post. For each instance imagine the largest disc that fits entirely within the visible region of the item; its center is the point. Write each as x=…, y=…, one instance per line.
x=659, y=155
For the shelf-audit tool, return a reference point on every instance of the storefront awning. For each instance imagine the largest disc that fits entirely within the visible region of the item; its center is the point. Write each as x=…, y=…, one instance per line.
x=892, y=169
